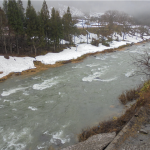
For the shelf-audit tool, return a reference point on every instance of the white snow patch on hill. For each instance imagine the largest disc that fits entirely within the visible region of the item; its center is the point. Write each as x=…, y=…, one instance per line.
x=63, y=9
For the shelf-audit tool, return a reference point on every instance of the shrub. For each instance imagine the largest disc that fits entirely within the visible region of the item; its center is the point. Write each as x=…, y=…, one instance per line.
x=95, y=42
x=129, y=95
x=117, y=123
x=113, y=125
x=110, y=39
x=6, y=56
x=105, y=44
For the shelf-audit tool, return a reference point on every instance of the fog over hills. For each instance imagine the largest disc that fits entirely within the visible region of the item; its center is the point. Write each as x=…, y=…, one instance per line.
x=132, y=7
x=139, y=9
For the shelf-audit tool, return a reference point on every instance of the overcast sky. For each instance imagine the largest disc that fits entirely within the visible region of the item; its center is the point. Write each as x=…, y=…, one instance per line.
x=131, y=7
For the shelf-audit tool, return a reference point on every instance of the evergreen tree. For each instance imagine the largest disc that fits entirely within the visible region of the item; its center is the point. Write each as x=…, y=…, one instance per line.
x=14, y=19
x=29, y=3
x=59, y=28
x=53, y=28
x=32, y=26
x=21, y=11
x=3, y=31
x=68, y=25
x=45, y=17
x=56, y=28
x=40, y=31
x=5, y=6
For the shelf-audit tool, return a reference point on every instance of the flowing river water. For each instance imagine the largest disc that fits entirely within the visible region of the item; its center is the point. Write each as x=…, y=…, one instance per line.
x=53, y=106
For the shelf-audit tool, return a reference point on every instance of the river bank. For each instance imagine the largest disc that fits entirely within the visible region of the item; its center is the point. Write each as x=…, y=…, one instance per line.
x=56, y=104
x=39, y=64
x=128, y=131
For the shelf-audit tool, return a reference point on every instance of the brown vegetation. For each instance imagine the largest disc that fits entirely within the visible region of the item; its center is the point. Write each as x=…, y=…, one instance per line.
x=129, y=95
x=113, y=125
x=116, y=124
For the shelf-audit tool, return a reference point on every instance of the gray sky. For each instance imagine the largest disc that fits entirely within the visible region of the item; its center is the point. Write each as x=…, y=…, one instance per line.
x=131, y=7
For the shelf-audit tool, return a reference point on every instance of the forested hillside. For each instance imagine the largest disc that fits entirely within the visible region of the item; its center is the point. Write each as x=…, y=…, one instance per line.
x=29, y=32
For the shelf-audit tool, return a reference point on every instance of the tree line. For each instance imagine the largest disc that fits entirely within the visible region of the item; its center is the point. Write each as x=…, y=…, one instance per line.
x=30, y=32
x=114, y=22
x=27, y=32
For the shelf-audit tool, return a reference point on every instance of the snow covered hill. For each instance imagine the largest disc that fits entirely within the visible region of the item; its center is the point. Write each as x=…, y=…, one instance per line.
x=74, y=11
x=95, y=14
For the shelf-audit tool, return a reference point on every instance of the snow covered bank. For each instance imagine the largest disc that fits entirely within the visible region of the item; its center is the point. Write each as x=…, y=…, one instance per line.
x=15, y=64
x=19, y=64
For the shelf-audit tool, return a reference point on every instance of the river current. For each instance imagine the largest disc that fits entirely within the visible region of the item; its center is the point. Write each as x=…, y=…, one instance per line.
x=52, y=107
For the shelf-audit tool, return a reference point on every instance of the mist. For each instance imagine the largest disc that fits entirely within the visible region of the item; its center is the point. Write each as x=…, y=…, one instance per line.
x=138, y=9
x=131, y=7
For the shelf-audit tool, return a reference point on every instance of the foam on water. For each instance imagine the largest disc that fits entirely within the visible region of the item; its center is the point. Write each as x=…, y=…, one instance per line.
x=66, y=125
x=32, y=108
x=59, y=136
x=114, y=56
x=12, y=91
x=107, y=80
x=46, y=84
x=17, y=101
x=49, y=102
x=95, y=75
x=35, y=78
x=40, y=147
x=104, y=68
x=77, y=66
x=102, y=58
x=5, y=100
x=25, y=93
x=1, y=129
x=11, y=139
x=130, y=73
x=92, y=65
x=90, y=78
x=136, y=51
x=143, y=79
x=1, y=106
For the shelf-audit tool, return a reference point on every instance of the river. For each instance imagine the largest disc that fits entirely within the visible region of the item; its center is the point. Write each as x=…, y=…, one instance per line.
x=53, y=106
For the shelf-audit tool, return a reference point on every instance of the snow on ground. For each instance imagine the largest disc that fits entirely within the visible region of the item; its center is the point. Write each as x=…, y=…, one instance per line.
x=19, y=64
x=15, y=64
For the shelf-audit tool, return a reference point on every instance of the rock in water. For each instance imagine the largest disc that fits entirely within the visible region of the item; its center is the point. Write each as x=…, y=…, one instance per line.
x=96, y=142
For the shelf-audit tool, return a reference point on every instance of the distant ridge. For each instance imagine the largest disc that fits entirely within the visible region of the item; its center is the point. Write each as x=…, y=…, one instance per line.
x=75, y=11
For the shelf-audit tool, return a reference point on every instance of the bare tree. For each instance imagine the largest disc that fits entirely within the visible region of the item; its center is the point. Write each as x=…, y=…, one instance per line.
x=142, y=62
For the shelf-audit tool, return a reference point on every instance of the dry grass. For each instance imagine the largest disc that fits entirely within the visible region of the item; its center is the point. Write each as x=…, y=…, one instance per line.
x=114, y=125
x=129, y=95
x=51, y=148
